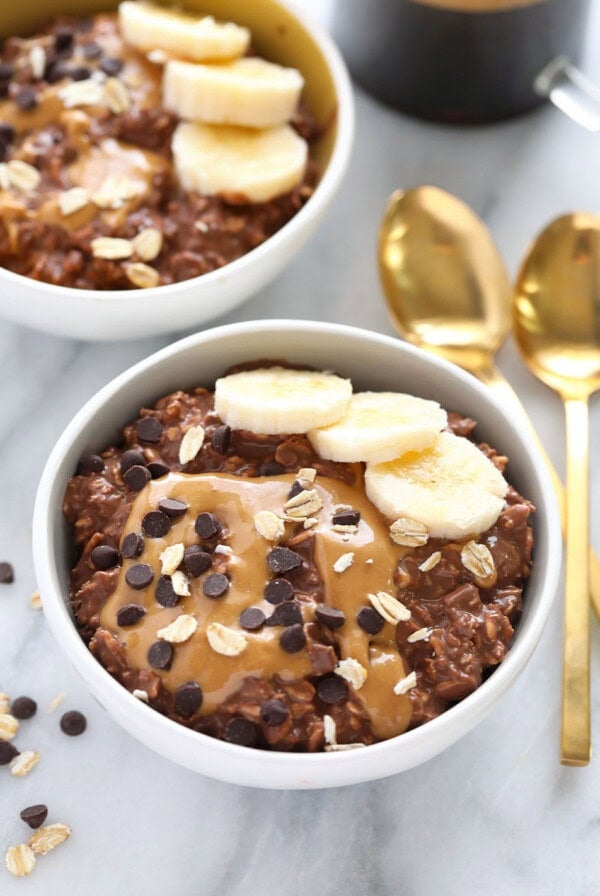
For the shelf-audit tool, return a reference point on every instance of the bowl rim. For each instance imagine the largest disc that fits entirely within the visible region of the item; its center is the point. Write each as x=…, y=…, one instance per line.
x=324, y=191
x=353, y=765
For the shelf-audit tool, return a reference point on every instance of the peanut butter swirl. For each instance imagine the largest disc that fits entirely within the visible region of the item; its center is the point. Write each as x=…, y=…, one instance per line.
x=235, y=501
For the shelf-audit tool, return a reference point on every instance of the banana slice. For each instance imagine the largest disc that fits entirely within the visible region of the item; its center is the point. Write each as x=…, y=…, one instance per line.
x=150, y=27
x=451, y=487
x=276, y=400
x=251, y=93
x=240, y=164
x=380, y=426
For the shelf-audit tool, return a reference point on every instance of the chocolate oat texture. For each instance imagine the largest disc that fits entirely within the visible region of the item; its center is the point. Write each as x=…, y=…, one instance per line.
x=145, y=148
x=286, y=564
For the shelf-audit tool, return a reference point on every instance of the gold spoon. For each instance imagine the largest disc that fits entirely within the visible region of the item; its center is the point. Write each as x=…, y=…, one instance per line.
x=557, y=329
x=447, y=291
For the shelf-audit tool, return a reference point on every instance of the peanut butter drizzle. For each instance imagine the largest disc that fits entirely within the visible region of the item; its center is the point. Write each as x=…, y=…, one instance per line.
x=234, y=501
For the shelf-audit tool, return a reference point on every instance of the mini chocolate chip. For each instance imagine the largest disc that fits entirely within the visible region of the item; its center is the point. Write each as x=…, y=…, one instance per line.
x=90, y=463
x=79, y=72
x=133, y=545
x=207, y=525
x=7, y=70
x=292, y=639
x=252, y=618
x=34, y=816
x=220, y=438
x=3, y=89
x=131, y=458
x=7, y=573
x=136, y=477
x=3, y=150
x=158, y=469
x=215, y=585
x=55, y=71
x=346, y=518
x=139, y=576
x=278, y=590
x=149, y=429
x=196, y=561
x=282, y=560
x=241, y=732
x=7, y=752
x=332, y=689
x=270, y=468
x=160, y=655
x=330, y=617
x=7, y=133
x=156, y=524
x=73, y=723
x=274, y=713
x=188, y=699
x=130, y=614
x=23, y=708
x=369, y=620
x=92, y=50
x=26, y=99
x=296, y=488
x=165, y=593
x=104, y=556
x=63, y=40
x=287, y=613
x=172, y=507
x=111, y=65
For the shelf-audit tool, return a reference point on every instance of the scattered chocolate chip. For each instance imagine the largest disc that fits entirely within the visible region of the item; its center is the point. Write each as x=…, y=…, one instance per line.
x=139, y=576
x=158, y=469
x=73, y=723
x=136, y=477
x=282, y=560
x=278, y=590
x=149, y=429
x=165, y=593
x=7, y=752
x=220, y=438
x=156, y=524
x=196, y=561
x=92, y=50
x=369, y=620
x=23, y=708
x=330, y=617
x=172, y=507
x=26, y=99
x=79, y=72
x=241, y=732
x=270, y=468
x=3, y=148
x=160, y=655
x=55, y=71
x=131, y=458
x=34, y=816
x=7, y=133
x=7, y=573
x=296, y=488
x=207, y=525
x=332, y=690
x=287, y=613
x=292, y=639
x=188, y=699
x=63, y=41
x=252, y=618
x=274, y=713
x=111, y=65
x=346, y=518
x=133, y=545
x=130, y=614
x=7, y=70
x=215, y=585
x=3, y=89
x=104, y=556
x=90, y=463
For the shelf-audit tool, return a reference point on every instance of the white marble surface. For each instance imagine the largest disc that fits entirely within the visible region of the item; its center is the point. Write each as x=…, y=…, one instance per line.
x=496, y=813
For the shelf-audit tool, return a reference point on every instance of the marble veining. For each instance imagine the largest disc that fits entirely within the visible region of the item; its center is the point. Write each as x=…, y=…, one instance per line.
x=494, y=814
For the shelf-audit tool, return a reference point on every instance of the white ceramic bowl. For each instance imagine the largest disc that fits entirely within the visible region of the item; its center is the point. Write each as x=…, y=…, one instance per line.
x=284, y=35
x=372, y=361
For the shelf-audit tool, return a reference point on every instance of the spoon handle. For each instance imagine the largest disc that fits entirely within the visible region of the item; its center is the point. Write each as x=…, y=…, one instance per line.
x=499, y=385
x=575, y=742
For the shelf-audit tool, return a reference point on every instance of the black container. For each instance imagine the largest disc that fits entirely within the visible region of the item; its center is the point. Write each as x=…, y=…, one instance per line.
x=458, y=61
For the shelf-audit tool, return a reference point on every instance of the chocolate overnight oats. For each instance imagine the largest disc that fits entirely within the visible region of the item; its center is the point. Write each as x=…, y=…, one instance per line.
x=144, y=148
x=287, y=565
